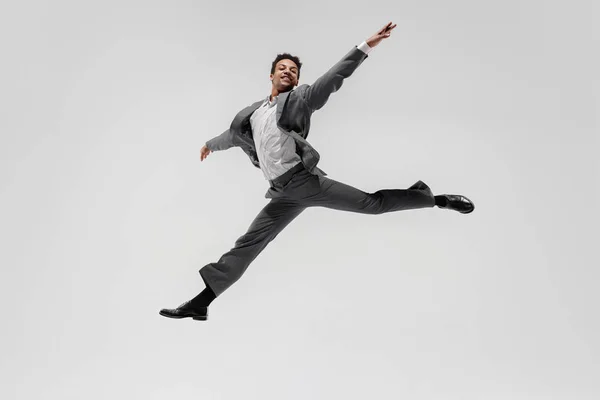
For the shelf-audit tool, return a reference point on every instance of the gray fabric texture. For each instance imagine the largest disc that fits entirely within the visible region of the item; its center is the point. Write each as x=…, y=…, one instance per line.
x=288, y=200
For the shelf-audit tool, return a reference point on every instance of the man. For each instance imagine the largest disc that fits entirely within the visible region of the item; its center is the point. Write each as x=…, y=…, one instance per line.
x=272, y=132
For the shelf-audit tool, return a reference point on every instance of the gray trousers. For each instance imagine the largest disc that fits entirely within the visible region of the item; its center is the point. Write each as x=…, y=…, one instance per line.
x=288, y=200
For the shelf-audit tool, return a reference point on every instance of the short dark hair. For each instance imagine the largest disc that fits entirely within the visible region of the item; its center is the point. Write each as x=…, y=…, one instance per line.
x=286, y=56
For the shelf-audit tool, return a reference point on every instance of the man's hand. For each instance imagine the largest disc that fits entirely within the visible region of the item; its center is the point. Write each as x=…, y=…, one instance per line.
x=380, y=35
x=204, y=152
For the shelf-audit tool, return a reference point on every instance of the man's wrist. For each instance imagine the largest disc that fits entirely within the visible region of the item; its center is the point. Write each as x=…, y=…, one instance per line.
x=364, y=47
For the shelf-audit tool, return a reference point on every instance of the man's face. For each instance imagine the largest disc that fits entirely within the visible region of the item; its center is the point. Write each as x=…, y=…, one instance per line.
x=285, y=76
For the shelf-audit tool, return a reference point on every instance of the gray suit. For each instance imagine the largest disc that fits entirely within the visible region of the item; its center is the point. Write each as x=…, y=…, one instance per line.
x=305, y=185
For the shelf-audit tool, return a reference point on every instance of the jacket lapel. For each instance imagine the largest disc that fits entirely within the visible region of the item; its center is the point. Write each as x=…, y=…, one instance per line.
x=281, y=102
x=245, y=113
x=241, y=122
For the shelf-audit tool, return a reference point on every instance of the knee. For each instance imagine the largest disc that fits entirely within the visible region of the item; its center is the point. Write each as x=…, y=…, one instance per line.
x=373, y=204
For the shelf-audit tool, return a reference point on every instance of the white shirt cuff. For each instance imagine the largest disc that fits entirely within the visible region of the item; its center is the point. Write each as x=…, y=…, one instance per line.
x=364, y=47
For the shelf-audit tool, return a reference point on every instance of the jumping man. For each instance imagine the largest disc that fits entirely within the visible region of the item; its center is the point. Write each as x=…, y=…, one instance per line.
x=273, y=132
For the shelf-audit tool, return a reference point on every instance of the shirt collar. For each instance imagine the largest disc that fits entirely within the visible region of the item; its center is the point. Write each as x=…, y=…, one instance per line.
x=267, y=100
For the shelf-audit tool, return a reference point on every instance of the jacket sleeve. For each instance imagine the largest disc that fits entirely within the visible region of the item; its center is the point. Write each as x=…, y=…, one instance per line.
x=222, y=142
x=317, y=94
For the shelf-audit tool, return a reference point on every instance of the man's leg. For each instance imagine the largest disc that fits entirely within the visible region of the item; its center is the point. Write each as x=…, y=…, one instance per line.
x=221, y=275
x=339, y=196
x=266, y=226
x=325, y=192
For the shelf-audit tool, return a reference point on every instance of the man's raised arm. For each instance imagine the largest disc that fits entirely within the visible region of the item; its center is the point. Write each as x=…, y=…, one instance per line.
x=317, y=94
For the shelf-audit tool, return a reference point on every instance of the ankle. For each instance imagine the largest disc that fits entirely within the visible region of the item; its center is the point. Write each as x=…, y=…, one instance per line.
x=204, y=298
x=441, y=201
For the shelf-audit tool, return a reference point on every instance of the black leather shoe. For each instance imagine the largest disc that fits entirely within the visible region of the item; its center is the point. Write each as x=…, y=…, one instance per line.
x=186, y=310
x=458, y=203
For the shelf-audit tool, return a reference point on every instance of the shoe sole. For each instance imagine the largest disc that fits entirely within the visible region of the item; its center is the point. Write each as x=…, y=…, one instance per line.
x=199, y=318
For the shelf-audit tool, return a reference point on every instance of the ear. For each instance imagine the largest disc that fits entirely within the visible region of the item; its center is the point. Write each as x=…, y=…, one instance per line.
x=271, y=77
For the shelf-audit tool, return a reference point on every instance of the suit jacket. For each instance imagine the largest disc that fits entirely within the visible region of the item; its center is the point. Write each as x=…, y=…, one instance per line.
x=294, y=109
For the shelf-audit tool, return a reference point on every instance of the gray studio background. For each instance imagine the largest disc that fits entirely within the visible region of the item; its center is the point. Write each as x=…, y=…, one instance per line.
x=107, y=213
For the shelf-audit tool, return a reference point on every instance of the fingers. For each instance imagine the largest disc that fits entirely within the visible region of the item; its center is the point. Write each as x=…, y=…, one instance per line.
x=382, y=30
x=203, y=155
x=387, y=28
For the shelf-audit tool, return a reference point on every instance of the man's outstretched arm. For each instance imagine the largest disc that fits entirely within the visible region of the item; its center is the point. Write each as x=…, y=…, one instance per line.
x=317, y=94
x=222, y=142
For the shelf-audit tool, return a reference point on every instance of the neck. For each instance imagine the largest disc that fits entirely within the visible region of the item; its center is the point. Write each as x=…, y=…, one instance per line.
x=274, y=93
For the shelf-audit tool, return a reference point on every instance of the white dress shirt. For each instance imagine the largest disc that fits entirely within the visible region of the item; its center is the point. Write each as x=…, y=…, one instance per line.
x=276, y=151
